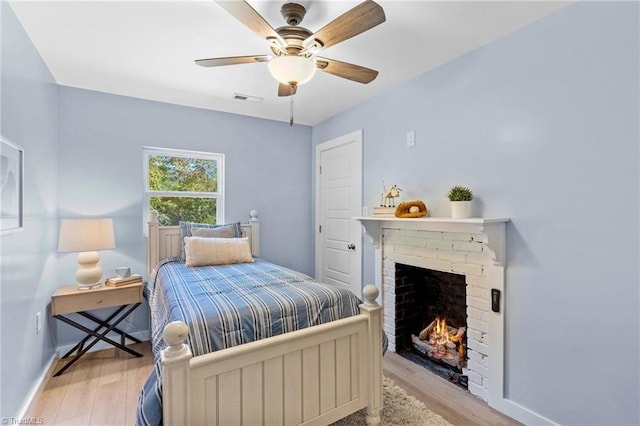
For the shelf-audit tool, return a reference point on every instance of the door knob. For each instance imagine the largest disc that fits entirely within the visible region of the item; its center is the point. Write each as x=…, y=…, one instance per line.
x=351, y=246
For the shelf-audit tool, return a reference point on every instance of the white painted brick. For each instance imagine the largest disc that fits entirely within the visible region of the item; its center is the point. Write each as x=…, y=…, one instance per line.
x=389, y=310
x=440, y=244
x=430, y=235
x=480, y=238
x=478, y=347
x=476, y=302
x=474, y=334
x=479, y=292
x=474, y=378
x=438, y=265
x=408, y=260
x=466, y=268
x=467, y=246
x=485, y=361
x=389, y=264
x=389, y=299
x=412, y=242
x=478, y=358
x=452, y=256
x=462, y=253
x=476, y=367
x=474, y=314
x=417, y=251
x=389, y=241
x=475, y=356
x=483, y=258
x=480, y=281
x=477, y=325
x=408, y=233
x=456, y=236
x=478, y=391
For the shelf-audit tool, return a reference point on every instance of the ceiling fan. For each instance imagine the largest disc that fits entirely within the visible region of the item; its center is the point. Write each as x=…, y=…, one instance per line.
x=296, y=49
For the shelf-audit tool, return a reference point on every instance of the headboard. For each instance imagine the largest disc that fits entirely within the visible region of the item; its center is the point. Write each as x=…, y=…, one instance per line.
x=164, y=241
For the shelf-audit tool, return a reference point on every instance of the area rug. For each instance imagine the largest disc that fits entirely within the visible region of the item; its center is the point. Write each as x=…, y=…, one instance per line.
x=399, y=409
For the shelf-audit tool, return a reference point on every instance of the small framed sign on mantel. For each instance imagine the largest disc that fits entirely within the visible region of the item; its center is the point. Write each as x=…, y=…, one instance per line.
x=11, y=186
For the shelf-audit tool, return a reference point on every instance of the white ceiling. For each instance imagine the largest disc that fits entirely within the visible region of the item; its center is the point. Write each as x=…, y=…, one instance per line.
x=146, y=49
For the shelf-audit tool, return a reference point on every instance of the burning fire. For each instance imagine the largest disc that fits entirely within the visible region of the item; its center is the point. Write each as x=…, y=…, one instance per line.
x=442, y=343
x=443, y=337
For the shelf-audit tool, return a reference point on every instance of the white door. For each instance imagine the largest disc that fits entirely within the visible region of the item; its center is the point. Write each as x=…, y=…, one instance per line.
x=338, y=201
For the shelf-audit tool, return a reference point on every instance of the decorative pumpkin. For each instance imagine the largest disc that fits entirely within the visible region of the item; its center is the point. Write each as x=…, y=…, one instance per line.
x=411, y=209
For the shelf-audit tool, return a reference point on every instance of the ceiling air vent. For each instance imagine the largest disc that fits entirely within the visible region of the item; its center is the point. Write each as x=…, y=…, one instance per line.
x=247, y=98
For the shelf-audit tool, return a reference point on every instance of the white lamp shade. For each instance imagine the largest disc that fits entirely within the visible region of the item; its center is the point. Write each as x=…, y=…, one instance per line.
x=87, y=236
x=292, y=69
x=79, y=235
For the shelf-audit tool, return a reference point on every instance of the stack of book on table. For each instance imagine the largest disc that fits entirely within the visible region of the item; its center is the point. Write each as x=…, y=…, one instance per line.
x=119, y=281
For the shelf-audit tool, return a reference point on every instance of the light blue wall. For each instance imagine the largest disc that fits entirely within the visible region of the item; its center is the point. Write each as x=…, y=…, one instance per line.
x=27, y=259
x=100, y=173
x=543, y=125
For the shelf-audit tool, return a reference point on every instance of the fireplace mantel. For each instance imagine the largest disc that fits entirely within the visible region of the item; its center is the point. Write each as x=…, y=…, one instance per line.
x=493, y=228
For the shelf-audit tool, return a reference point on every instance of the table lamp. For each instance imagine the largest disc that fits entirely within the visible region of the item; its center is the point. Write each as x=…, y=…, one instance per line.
x=87, y=236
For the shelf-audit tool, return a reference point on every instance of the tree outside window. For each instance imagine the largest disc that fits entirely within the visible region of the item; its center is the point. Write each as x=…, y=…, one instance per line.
x=184, y=185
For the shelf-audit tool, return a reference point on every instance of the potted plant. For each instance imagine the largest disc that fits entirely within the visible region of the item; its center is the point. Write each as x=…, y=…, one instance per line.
x=460, y=197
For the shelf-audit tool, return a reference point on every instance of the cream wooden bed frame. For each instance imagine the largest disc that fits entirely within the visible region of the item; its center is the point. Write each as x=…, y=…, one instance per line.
x=312, y=376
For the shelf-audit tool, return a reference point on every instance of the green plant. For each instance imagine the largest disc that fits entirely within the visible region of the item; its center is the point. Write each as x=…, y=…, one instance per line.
x=460, y=193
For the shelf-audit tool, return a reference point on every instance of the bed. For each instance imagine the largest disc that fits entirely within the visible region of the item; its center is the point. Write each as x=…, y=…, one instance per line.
x=253, y=369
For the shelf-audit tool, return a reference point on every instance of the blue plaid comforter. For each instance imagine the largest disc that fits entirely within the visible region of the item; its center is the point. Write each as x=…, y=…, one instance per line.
x=229, y=305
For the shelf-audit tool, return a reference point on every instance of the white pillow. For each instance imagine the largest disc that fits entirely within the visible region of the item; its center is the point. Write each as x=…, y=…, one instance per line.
x=216, y=251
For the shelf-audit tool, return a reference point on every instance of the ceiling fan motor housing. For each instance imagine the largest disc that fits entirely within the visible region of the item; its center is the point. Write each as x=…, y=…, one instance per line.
x=293, y=13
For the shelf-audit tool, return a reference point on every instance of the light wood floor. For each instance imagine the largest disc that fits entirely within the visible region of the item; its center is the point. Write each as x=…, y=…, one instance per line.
x=100, y=389
x=103, y=387
x=456, y=405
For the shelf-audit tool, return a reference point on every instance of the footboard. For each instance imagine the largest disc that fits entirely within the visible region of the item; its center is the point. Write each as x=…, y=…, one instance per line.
x=311, y=376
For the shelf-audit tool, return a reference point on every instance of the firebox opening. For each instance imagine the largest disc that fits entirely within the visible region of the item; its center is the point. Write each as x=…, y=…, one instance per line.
x=431, y=320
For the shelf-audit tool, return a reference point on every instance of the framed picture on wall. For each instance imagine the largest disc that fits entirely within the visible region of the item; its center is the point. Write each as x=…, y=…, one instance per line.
x=12, y=185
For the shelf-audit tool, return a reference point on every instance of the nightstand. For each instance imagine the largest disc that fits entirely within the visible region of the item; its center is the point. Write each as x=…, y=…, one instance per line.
x=69, y=300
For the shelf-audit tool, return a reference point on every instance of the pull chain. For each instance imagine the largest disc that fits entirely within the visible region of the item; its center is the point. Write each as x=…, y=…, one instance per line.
x=291, y=109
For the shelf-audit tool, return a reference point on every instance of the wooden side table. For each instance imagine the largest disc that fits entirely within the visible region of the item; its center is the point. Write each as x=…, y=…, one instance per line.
x=69, y=300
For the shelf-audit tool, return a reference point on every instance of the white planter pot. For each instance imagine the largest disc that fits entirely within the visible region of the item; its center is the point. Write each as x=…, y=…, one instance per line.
x=460, y=209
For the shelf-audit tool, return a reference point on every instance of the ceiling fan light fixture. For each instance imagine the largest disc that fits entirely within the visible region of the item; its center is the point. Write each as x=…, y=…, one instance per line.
x=292, y=69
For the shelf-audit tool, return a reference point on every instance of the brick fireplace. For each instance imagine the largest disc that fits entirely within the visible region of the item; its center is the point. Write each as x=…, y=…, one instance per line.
x=472, y=248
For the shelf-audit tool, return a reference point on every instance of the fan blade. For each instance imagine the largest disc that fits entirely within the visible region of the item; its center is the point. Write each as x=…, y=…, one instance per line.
x=287, y=89
x=231, y=60
x=243, y=12
x=361, y=18
x=345, y=70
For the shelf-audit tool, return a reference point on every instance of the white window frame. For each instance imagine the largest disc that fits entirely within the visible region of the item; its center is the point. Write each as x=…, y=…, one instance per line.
x=148, y=151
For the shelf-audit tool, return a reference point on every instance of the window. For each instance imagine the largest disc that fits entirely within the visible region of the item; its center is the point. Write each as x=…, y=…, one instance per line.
x=184, y=185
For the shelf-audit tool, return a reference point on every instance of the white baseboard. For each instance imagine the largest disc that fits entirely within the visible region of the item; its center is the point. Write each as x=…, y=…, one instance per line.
x=522, y=413
x=140, y=335
x=36, y=387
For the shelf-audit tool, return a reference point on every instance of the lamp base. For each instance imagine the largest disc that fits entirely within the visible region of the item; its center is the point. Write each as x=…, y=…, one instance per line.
x=83, y=287
x=89, y=273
